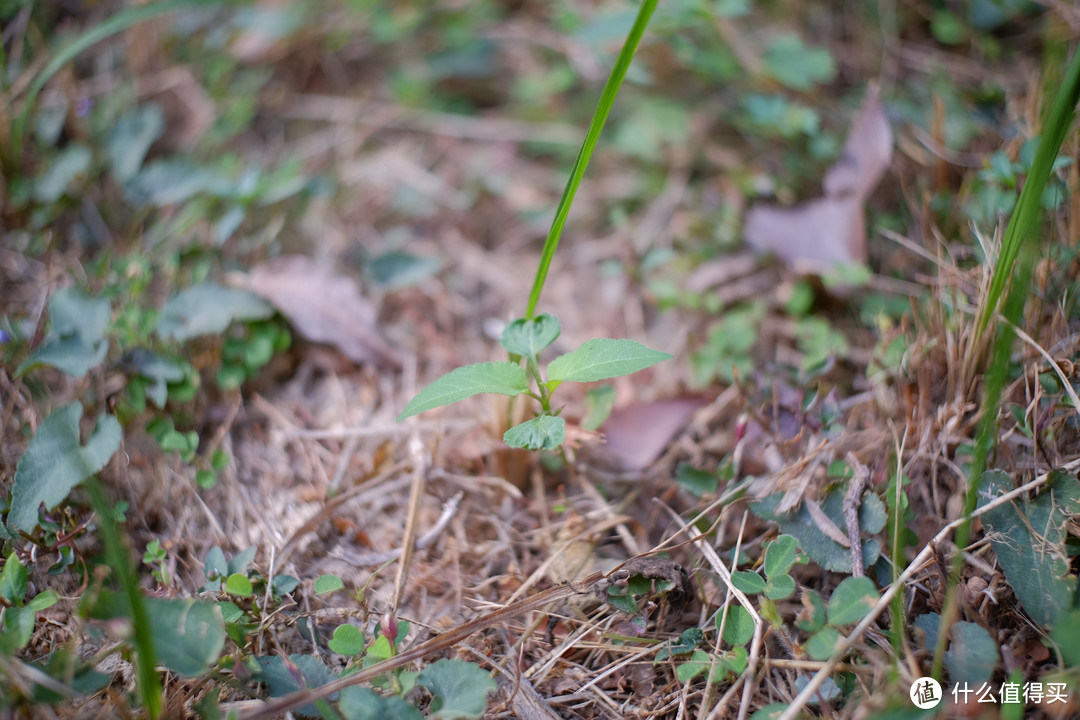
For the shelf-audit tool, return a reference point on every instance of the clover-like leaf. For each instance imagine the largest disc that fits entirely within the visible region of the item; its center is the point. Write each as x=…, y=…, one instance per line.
x=503, y=378
x=972, y=655
x=780, y=555
x=738, y=627
x=55, y=461
x=347, y=640
x=328, y=584
x=852, y=599
x=296, y=672
x=459, y=689
x=823, y=643
x=749, y=582
x=361, y=703
x=545, y=432
x=527, y=337
x=780, y=586
x=601, y=359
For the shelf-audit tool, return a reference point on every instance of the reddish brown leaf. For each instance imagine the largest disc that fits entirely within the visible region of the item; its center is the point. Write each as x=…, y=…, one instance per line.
x=636, y=435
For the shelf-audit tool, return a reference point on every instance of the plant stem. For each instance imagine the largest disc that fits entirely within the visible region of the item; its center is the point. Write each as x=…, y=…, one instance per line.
x=603, y=109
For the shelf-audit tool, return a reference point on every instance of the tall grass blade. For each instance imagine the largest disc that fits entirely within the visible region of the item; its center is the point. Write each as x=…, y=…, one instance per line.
x=600, y=116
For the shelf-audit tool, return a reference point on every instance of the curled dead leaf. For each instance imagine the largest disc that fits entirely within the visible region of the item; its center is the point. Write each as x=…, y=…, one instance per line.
x=323, y=305
x=830, y=229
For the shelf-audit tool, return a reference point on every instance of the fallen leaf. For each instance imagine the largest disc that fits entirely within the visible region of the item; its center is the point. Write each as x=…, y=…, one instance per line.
x=830, y=229
x=323, y=306
x=636, y=435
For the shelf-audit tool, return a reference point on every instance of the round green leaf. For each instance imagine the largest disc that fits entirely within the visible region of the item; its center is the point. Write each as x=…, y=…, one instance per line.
x=601, y=359
x=188, y=635
x=780, y=587
x=749, y=582
x=738, y=627
x=528, y=337
x=459, y=689
x=238, y=584
x=822, y=643
x=545, y=432
x=347, y=640
x=327, y=584
x=504, y=378
x=852, y=600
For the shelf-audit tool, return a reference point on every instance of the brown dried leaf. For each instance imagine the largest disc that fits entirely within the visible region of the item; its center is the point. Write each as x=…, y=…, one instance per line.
x=323, y=306
x=830, y=229
x=636, y=435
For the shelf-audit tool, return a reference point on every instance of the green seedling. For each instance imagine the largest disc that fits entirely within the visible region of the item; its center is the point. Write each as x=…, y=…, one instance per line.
x=524, y=339
x=155, y=556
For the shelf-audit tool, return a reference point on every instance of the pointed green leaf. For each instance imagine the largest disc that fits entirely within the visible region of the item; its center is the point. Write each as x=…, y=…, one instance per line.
x=14, y=580
x=603, y=358
x=528, y=337
x=1036, y=565
x=76, y=342
x=504, y=378
x=55, y=461
x=545, y=432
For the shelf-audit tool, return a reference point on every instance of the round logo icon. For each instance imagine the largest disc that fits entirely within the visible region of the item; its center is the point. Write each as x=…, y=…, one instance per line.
x=925, y=693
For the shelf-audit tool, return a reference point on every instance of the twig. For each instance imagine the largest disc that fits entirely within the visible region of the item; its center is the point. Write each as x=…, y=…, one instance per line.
x=852, y=500
x=450, y=507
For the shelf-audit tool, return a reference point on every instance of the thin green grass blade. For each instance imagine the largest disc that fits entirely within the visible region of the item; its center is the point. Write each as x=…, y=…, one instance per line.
x=600, y=116
x=1028, y=208
x=1016, y=261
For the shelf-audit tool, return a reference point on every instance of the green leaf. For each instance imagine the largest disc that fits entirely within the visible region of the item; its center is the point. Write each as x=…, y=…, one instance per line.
x=972, y=655
x=288, y=675
x=395, y=270
x=599, y=402
x=284, y=584
x=504, y=378
x=601, y=359
x=818, y=546
x=238, y=584
x=171, y=182
x=527, y=337
x=852, y=599
x=1037, y=568
x=823, y=643
x=797, y=65
x=696, y=482
x=76, y=341
x=14, y=580
x=749, y=582
x=545, y=432
x=65, y=170
x=64, y=667
x=188, y=635
x=738, y=627
x=208, y=309
x=347, y=640
x=158, y=369
x=812, y=617
x=684, y=645
x=780, y=555
x=459, y=689
x=361, y=703
x=328, y=584
x=131, y=137
x=780, y=587
x=55, y=462
x=242, y=560
x=699, y=662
